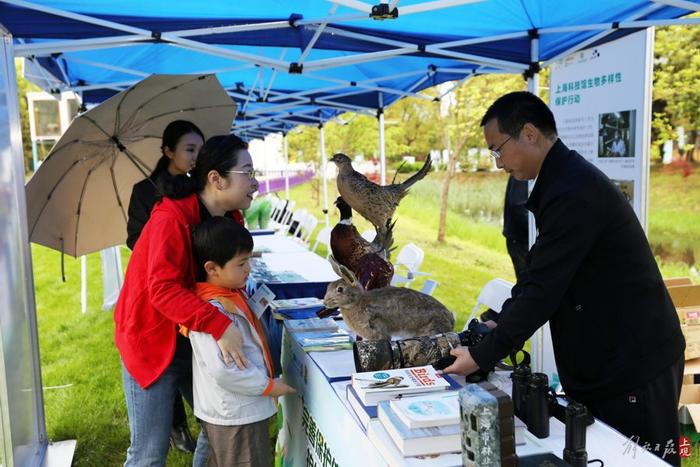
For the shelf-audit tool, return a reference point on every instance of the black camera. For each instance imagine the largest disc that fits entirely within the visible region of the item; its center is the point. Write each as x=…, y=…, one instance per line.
x=384, y=354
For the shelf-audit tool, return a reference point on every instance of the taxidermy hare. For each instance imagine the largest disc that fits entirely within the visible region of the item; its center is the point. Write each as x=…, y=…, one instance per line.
x=381, y=313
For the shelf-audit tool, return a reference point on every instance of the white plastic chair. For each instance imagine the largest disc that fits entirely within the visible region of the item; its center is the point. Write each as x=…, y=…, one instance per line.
x=369, y=235
x=493, y=294
x=410, y=258
x=299, y=216
x=323, y=238
x=429, y=286
x=308, y=225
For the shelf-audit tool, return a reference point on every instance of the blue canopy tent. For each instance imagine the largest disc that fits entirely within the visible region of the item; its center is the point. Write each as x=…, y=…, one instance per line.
x=285, y=63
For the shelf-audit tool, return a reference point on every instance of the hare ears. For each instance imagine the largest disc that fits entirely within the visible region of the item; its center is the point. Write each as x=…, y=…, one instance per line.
x=346, y=274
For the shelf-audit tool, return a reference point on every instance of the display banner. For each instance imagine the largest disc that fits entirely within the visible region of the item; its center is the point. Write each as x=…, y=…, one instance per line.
x=601, y=100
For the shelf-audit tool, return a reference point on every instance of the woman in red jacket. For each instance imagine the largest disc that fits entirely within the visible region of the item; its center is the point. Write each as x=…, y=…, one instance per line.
x=157, y=296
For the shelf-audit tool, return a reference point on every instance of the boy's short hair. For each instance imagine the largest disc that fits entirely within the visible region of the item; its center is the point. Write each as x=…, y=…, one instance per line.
x=218, y=239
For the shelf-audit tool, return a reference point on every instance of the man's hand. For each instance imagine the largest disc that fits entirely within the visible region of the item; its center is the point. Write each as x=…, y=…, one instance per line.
x=231, y=345
x=464, y=365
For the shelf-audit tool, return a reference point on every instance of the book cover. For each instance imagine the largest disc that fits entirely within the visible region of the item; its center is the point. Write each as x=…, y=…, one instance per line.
x=328, y=347
x=419, y=441
x=364, y=413
x=321, y=338
x=381, y=440
x=311, y=325
x=375, y=386
x=296, y=303
x=427, y=410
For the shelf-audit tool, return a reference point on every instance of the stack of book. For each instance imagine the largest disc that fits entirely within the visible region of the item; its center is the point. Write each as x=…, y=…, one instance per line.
x=318, y=335
x=296, y=308
x=415, y=408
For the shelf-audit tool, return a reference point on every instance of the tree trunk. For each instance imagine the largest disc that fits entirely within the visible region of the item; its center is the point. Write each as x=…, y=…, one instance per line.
x=446, y=190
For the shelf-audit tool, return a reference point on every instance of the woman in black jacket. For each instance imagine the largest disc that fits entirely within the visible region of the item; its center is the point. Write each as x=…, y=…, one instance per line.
x=180, y=146
x=181, y=143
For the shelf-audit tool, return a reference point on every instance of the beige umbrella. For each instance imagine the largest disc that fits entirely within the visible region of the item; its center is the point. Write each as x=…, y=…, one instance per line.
x=77, y=200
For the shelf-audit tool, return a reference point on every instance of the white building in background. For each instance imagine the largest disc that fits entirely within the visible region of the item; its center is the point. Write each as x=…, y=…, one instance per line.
x=49, y=117
x=268, y=153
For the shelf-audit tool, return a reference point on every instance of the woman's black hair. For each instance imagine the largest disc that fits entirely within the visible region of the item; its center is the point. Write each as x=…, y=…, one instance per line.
x=218, y=239
x=166, y=183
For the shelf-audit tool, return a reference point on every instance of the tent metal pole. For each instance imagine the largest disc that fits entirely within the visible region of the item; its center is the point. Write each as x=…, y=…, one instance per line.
x=362, y=85
x=357, y=58
x=317, y=34
x=273, y=76
x=47, y=48
x=324, y=178
x=597, y=37
x=117, y=84
x=232, y=29
x=479, y=40
x=680, y=4
x=22, y=418
x=295, y=95
x=538, y=338
x=382, y=153
x=258, y=77
x=105, y=66
x=286, y=164
x=368, y=38
x=80, y=17
x=476, y=58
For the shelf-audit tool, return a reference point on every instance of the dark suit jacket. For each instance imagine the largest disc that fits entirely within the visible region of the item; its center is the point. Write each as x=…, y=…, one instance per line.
x=592, y=275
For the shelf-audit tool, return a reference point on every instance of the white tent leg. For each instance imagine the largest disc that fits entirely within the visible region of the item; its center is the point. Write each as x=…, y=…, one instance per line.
x=286, y=166
x=382, y=154
x=22, y=421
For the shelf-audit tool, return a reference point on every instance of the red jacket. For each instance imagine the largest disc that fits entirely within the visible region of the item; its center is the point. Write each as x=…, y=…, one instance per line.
x=157, y=292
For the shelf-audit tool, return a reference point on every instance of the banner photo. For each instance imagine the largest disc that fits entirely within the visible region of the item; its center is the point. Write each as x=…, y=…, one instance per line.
x=601, y=100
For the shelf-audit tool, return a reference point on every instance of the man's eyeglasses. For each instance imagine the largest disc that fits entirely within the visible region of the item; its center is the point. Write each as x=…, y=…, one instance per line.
x=496, y=153
x=252, y=173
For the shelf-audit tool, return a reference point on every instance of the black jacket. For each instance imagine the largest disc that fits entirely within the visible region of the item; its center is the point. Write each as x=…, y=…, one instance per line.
x=143, y=197
x=592, y=275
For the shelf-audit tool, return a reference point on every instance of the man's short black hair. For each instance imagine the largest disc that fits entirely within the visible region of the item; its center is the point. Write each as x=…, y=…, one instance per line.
x=218, y=239
x=512, y=111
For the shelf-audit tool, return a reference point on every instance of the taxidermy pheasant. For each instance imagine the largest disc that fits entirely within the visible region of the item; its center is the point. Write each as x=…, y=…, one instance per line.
x=374, y=202
x=368, y=261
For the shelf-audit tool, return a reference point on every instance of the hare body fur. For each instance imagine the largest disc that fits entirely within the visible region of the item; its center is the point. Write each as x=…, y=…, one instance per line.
x=381, y=313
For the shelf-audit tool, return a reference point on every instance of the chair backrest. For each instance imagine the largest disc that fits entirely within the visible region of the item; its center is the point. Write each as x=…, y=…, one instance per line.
x=280, y=210
x=429, y=286
x=324, y=238
x=410, y=257
x=307, y=227
x=277, y=206
x=369, y=235
x=493, y=294
x=298, y=217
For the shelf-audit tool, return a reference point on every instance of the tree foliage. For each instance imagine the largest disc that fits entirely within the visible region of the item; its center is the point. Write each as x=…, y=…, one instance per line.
x=676, y=91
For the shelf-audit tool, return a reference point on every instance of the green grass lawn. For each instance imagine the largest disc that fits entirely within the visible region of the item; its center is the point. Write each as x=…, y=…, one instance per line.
x=80, y=365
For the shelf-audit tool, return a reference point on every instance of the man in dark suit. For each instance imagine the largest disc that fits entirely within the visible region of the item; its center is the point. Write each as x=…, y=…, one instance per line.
x=617, y=340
